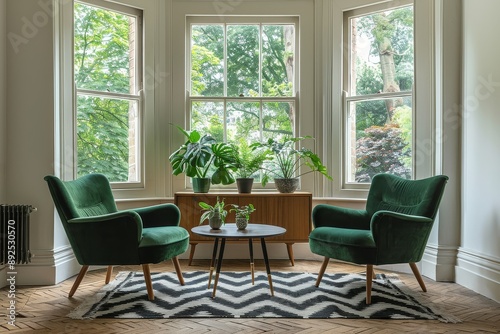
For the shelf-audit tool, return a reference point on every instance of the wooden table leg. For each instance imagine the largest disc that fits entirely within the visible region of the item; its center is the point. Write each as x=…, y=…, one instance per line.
x=219, y=263
x=266, y=261
x=191, y=253
x=213, y=261
x=250, y=248
x=290, y=253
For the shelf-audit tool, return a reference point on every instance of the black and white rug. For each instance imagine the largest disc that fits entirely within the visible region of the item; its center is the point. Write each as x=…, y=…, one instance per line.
x=295, y=296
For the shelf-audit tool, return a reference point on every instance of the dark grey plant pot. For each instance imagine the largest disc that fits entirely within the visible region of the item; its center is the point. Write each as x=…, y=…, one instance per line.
x=286, y=186
x=215, y=223
x=201, y=185
x=244, y=185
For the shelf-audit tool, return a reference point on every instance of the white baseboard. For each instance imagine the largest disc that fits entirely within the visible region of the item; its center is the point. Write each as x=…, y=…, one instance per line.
x=438, y=263
x=478, y=272
x=47, y=267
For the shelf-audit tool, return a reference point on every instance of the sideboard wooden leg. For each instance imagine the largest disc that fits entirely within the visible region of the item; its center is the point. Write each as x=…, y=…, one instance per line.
x=289, y=248
x=191, y=253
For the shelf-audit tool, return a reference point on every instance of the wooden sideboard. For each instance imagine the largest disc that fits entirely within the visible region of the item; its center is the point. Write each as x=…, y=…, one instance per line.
x=291, y=211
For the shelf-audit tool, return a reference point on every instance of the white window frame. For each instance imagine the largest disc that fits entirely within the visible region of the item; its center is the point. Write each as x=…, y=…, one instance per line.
x=333, y=128
x=244, y=20
x=347, y=96
x=302, y=10
x=66, y=100
x=136, y=97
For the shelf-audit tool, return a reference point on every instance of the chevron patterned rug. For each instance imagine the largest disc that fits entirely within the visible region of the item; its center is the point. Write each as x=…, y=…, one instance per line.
x=295, y=296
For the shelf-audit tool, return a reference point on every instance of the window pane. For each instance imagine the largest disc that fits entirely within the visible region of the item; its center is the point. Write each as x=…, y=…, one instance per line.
x=378, y=143
x=208, y=118
x=243, y=121
x=243, y=60
x=106, y=138
x=278, y=52
x=278, y=120
x=382, y=52
x=104, y=50
x=207, y=60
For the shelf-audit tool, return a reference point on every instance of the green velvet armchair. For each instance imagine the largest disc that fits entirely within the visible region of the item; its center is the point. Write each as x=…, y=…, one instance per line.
x=101, y=235
x=394, y=227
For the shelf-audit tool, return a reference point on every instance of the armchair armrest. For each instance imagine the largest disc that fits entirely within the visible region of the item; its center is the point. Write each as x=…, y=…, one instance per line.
x=159, y=215
x=334, y=216
x=400, y=237
x=123, y=221
x=109, y=239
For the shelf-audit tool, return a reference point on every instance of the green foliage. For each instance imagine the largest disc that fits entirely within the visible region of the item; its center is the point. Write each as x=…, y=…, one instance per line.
x=213, y=211
x=242, y=67
x=102, y=63
x=249, y=161
x=381, y=151
x=397, y=27
x=243, y=211
x=403, y=118
x=287, y=160
x=199, y=154
x=384, y=134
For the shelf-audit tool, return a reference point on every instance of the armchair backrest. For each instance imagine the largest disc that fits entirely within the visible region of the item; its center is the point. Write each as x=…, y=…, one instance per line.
x=413, y=197
x=89, y=195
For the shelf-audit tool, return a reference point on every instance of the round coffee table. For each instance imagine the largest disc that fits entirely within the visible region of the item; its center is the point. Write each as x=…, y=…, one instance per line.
x=230, y=231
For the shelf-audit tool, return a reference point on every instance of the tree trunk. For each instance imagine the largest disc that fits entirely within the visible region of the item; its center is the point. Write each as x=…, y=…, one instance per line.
x=388, y=69
x=289, y=34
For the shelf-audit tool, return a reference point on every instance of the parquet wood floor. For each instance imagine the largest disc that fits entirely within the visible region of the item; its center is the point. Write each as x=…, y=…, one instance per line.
x=43, y=309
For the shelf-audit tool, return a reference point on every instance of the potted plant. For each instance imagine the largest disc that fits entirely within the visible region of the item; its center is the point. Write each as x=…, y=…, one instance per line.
x=242, y=214
x=201, y=154
x=248, y=162
x=288, y=162
x=216, y=214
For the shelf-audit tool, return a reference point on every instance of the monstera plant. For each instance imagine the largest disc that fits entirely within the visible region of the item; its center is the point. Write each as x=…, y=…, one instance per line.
x=205, y=160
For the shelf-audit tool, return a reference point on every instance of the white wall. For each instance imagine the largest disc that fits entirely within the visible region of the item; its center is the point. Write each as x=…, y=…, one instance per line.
x=440, y=255
x=479, y=255
x=3, y=102
x=30, y=131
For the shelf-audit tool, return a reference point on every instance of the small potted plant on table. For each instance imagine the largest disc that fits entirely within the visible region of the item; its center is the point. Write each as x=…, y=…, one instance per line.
x=242, y=214
x=216, y=214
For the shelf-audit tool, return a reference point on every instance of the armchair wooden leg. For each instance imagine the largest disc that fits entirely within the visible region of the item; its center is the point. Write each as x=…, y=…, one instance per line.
x=177, y=266
x=108, y=274
x=149, y=283
x=322, y=270
x=414, y=268
x=78, y=280
x=369, y=277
